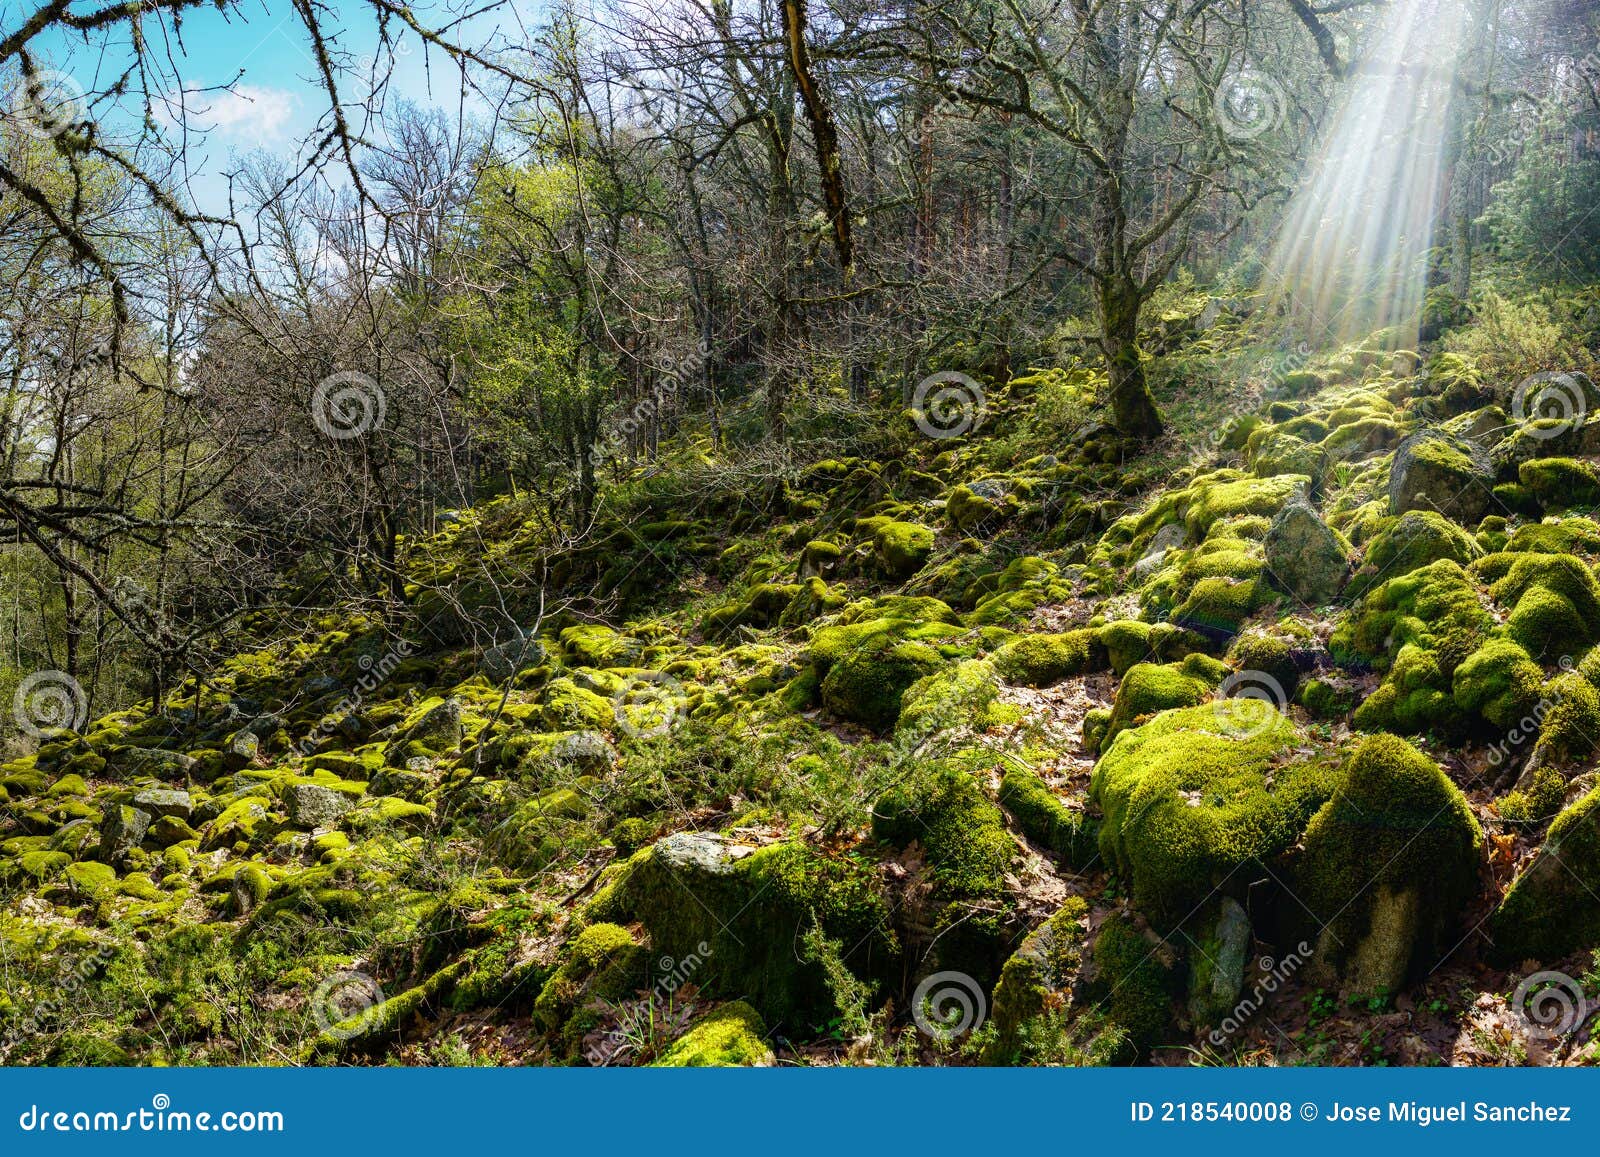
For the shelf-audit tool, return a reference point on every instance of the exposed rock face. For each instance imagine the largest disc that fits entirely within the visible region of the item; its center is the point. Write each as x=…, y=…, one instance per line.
x=1305, y=556
x=164, y=802
x=311, y=805
x=121, y=831
x=1435, y=471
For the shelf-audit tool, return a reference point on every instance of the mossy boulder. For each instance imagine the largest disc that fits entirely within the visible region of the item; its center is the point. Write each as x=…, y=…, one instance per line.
x=1436, y=471
x=902, y=548
x=1197, y=794
x=867, y=684
x=602, y=962
x=741, y=910
x=1136, y=979
x=1555, y=603
x=1557, y=483
x=1412, y=541
x=1550, y=911
x=1305, y=556
x=1046, y=820
x=1388, y=866
x=730, y=1036
x=963, y=837
x=1036, y=977
x=1040, y=660
x=1148, y=688
x=1498, y=682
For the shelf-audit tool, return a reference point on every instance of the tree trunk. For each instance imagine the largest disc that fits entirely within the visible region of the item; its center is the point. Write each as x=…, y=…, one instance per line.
x=1133, y=409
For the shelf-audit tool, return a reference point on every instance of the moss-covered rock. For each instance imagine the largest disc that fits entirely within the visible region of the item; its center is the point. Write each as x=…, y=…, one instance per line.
x=1499, y=682
x=602, y=962
x=1195, y=795
x=1033, y=979
x=1151, y=687
x=1557, y=483
x=1433, y=470
x=1412, y=541
x=867, y=684
x=731, y=1035
x=1305, y=556
x=1048, y=822
x=1550, y=911
x=1136, y=980
x=902, y=548
x=741, y=910
x=1388, y=866
x=1040, y=660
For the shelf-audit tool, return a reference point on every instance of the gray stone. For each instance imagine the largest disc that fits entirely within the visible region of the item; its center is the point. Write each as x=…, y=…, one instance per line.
x=313, y=806
x=1436, y=471
x=1305, y=556
x=151, y=761
x=502, y=662
x=1217, y=966
x=121, y=830
x=164, y=802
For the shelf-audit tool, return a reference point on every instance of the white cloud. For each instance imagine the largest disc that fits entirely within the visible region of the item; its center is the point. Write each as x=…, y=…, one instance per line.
x=248, y=114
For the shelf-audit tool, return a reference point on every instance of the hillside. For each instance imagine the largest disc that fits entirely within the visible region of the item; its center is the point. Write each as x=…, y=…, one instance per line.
x=961, y=735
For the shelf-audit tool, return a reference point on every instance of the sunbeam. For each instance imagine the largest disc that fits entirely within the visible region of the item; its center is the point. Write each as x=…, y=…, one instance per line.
x=1351, y=256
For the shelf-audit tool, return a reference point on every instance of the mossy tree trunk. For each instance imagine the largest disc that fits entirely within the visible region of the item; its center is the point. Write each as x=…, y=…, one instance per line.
x=1133, y=409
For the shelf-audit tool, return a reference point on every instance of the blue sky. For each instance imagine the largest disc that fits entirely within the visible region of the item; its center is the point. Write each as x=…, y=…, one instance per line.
x=261, y=50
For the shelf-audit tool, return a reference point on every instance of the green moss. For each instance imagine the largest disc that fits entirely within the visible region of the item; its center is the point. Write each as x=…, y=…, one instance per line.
x=1561, y=482
x=1127, y=641
x=728, y=1036
x=1560, y=575
x=1046, y=821
x=1135, y=982
x=603, y=962
x=964, y=697
x=1218, y=607
x=961, y=832
x=867, y=685
x=1096, y=723
x=1149, y=687
x=1436, y=608
x=1571, y=725
x=1538, y=802
x=1389, y=864
x=1565, y=536
x=1549, y=911
x=567, y=706
x=1270, y=654
x=902, y=548
x=1195, y=794
x=1410, y=542
x=1040, y=660
x=596, y=645
x=1047, y=962
x=749, y=910
x=1499, y=682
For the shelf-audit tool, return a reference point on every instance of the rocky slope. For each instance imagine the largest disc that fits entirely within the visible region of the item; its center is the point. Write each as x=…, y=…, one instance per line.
x=1274, y=745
